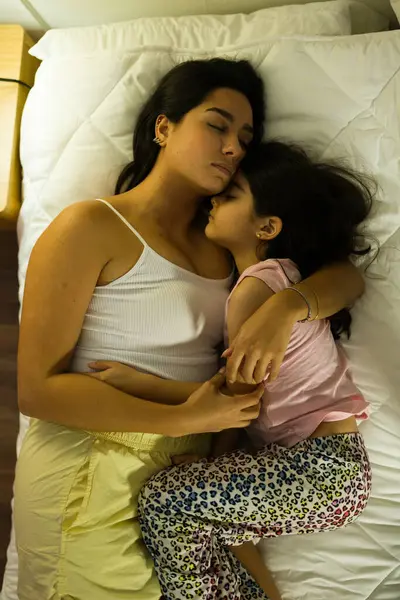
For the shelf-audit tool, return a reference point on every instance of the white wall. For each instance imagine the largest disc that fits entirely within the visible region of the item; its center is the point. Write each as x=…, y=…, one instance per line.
x=38, y=15
x=14, y=11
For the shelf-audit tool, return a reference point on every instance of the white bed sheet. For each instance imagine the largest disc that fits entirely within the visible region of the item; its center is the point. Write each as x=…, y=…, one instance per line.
x=341, y=97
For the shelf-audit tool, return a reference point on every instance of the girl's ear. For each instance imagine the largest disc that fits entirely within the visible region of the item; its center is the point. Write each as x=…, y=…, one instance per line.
x=269, y=228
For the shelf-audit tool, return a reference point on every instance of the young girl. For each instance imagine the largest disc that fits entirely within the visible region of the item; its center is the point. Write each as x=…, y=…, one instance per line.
x=283, y=217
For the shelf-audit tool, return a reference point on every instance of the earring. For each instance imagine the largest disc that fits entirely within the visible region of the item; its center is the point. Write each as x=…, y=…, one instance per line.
x=157, y=140
x=258, y=234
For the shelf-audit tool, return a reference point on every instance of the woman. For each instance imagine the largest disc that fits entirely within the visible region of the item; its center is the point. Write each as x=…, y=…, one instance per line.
x=134, y=279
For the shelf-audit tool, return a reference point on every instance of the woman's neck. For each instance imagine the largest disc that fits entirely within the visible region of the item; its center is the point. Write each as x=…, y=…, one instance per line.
x=166, y=199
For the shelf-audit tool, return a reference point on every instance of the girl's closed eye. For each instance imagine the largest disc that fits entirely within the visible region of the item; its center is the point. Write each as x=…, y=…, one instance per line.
x=227, y=195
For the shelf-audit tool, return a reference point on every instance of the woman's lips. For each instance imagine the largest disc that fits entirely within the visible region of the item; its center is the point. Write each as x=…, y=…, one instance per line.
x=225, y=170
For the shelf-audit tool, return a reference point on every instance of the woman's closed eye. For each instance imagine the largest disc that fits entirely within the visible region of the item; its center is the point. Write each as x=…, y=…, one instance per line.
x=223, y=129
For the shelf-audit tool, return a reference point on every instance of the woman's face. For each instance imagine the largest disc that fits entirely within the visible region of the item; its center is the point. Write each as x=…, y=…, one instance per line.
x=207, y=145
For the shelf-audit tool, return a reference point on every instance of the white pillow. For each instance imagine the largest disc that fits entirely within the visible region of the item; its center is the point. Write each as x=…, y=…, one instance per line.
x=212, y=31
x=396, y=7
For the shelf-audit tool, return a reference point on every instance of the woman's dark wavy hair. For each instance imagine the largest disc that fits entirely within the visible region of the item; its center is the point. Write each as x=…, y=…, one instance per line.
x=183, y=88
x=321, y=206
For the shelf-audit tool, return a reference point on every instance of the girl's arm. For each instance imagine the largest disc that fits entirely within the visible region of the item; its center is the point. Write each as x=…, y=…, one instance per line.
x=247, y=298
x=262, y=341
x=64, y=268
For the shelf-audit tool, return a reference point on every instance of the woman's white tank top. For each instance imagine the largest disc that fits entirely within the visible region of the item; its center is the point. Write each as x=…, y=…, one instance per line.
x=158, y=317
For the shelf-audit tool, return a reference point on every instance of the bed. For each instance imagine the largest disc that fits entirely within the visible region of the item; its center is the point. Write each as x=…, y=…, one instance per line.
x=336, y=93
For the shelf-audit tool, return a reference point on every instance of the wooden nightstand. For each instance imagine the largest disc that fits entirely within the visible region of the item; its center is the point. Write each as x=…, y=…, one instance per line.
x=15, y=64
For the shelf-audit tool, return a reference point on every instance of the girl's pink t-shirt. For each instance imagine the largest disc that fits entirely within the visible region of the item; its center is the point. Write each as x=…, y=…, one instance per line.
x=314, y=382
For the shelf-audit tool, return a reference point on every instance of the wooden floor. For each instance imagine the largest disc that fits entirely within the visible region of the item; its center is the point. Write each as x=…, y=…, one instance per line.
x=8, y=396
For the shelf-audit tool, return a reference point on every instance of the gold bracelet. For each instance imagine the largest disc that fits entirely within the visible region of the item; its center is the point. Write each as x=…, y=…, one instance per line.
x=316, y=302
x=308, y=317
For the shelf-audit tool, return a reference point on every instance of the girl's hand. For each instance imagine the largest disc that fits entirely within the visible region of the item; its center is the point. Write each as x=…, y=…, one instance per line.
x=207, y=410
x=120, y=376
x=261, y=343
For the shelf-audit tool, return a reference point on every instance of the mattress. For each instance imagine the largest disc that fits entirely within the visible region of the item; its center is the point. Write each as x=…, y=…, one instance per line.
x=338, y=96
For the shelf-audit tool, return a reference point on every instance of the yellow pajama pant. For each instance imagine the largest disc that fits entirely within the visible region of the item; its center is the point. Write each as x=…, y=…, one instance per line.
x=77, y=532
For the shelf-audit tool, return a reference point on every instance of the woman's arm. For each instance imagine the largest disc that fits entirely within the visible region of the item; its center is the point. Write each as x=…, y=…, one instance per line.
x=63, y=271
x=151, y=387
x=262, y=341
x=64, y=268
x=246, y=299
x=337, y=286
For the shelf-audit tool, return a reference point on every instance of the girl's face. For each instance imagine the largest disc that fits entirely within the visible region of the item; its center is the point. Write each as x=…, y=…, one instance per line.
x=207, y=145
x=232, y=223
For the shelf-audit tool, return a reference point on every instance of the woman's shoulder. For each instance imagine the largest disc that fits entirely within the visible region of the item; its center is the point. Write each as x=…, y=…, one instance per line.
x=82, y=214
x=92, y=228
x=95, y=218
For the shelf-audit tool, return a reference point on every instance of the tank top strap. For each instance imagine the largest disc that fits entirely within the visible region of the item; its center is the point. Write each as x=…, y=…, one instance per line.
x=111, y=207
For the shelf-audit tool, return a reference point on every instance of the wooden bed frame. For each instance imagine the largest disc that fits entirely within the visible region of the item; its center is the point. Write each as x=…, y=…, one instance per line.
x=17, y=73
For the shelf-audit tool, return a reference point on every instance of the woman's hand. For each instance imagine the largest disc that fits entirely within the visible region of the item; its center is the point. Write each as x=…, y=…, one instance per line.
x=207, y=410
x=261, y=343
x=122, y=377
